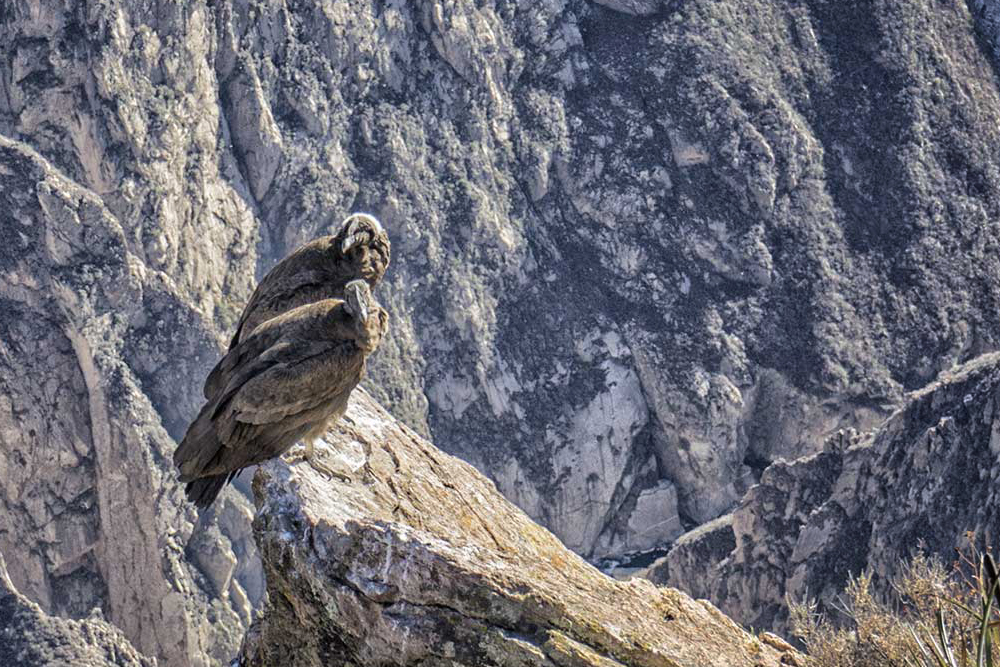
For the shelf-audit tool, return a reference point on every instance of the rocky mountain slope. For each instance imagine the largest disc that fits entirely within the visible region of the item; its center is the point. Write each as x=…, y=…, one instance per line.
x=919, y=482
x=29, y=637
x=93, y=515
x=641, y=250
x=421, y=561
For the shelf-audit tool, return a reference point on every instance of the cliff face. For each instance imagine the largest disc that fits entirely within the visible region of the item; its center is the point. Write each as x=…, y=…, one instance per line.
x=421, y=561
x=921, y=480
x=92, y=513
x=641, y=250
x=721, y=252
x=29, y=637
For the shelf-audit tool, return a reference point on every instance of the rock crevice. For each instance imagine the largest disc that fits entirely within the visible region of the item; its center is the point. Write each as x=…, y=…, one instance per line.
x=422, y=561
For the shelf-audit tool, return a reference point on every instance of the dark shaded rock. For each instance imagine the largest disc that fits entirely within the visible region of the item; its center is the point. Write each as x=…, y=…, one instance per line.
x=687, y=564
x=919, y=482
x=31, y=638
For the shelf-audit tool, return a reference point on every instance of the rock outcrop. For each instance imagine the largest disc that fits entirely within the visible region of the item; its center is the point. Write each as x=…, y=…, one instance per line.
x=92, y=514
x=31, y=638
x=420, y=560
x=919, y=482
x=641, y=250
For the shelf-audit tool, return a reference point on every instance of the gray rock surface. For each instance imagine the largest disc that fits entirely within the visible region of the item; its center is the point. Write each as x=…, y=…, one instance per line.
x=694, y=558
x=423, y=562
x=987, y=16
x=632, y=251
x=635, y=7
x=918, y=482
x=31, y=638
x=92, y=513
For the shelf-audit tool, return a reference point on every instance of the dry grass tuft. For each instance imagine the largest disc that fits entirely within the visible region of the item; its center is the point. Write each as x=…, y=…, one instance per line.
x=931, y=617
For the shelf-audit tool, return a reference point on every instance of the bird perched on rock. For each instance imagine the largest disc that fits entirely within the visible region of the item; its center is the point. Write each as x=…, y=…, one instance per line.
x=288, y=379
x=318, y=270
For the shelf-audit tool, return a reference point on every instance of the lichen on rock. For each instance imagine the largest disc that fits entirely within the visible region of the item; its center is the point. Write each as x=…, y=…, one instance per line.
x=419, y=560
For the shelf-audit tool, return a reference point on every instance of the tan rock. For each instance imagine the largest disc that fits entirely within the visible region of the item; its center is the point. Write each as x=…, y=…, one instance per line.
x=423, y=562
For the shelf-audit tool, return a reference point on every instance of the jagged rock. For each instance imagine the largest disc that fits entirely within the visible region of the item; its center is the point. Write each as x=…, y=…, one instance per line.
x=653, y=522
x=918, y=482
x=31, y=638
x=987, y=14
x=619, y=240
x=421, y=561
x=92, y=514
x=688, y=563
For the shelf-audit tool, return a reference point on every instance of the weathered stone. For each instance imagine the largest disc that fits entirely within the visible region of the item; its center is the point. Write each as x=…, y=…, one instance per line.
x=421, y=561
x=92, y=513
x=31, y=638
x=691, y=562
x=652, y=522
x=921, y=481
x=210, y=551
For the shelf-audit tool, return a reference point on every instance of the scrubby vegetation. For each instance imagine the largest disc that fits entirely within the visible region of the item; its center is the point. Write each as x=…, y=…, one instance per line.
x=928, y=616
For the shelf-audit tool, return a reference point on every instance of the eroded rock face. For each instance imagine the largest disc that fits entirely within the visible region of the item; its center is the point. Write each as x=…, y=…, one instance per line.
x=422, y=561
x=600, y=216
x=921, y=480
x=691, y=238
x=92, y=513
x=31, y=638
x=634, y=250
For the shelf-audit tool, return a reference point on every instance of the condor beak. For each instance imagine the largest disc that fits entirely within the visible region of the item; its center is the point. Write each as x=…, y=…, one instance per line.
x=355, y=300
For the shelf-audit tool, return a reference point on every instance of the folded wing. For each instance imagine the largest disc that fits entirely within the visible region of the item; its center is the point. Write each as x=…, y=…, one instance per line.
x=278, y=385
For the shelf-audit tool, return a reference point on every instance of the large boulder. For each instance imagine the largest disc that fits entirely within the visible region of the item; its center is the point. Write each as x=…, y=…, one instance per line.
x=420, y=561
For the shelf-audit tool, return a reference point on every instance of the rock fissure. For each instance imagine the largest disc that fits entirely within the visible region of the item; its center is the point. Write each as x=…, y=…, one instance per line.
x=474, y=580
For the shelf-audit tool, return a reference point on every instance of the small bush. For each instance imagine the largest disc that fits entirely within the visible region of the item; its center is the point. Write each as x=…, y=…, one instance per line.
x=931, y=617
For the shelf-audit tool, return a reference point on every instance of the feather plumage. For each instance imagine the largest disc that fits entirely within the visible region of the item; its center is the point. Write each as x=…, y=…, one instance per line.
x=289, y=379
x=318, y=270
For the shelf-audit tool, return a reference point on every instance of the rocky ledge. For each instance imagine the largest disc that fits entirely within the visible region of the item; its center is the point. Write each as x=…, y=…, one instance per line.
x=31, y=638
x=420, y=560
x=920, y=482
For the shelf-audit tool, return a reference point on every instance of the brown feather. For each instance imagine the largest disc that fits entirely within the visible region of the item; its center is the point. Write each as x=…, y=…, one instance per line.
x=290, y=378
x=318, y=270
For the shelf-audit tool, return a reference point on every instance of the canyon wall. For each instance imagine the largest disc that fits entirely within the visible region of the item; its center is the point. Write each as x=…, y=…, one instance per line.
x=641, y=251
